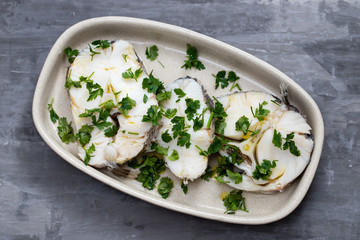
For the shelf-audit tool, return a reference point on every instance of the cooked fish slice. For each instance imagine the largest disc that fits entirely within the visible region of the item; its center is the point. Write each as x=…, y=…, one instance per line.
x=106, y=68
x=259, y=147
x=190, y=164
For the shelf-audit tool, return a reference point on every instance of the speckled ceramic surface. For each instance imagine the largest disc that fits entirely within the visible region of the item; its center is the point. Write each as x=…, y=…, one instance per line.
x=203, y=197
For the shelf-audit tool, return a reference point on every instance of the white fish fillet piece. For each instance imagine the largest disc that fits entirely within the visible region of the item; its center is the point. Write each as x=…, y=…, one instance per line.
x=190, y=164
x=260, y=147
x=106, y=69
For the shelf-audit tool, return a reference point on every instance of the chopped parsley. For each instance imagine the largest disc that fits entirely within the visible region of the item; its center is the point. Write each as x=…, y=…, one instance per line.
x=234, y=201
x=92, y=53
x=101, y=122
x=95, y=90
x=261, y=112
x=152, y=53
x=192, y=59
x=65, y=131
x=153, y=115
x=219, y=111
x=184, y=187
x=160, y=149
x=150, y=169
x=71, y=54
x=263, y=171
x=184, y=140
x=133, y=133
x=126, y=104
x=191, y=107
x=202, y=152
x=84, y=134
x=174, y=156
x=209, y=172
x=289, y=143
x=223, y=81
x=152, y=84
x=125, y=57
x=242, y=124
x=236, y=177
x=179, y=125
x=110, y=131
x=165, y=186
x=129, y=74
x=69, y=82
x=180, y=93
x=163, y=96
x=169, y=113
x=108, y=104
x=166, y=136
x=53, y=115
x=145, y=98
x=220, y=126
x=101, y=44
x=88, y=153
x=221, y=180
x=277, y=139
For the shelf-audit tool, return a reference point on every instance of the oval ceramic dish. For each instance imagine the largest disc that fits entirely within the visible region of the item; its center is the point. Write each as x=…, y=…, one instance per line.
x=203, y=198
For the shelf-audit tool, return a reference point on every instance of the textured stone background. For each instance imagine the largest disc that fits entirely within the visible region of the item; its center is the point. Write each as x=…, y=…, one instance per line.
x=315, y=43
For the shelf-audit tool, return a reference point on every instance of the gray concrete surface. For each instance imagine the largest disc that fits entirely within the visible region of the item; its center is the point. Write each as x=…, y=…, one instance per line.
x=316, y=43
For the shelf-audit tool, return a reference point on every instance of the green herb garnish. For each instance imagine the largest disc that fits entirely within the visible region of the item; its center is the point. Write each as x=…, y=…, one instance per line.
x=165, y=187
x=184, y=140
x=180, y=93
x=236, y=177
x=242, y=124
x=160, y=149
x=208, y=174
x=53, y=116
x=152, y=53
x=126, y=104
x=166, y=136
x=111, y=131
x=153, y=115
x=71, y=54
x=174, y=156
x=88, y=153
x=184, y=187
x=101, y=44
x=145, y=98
x=84, y=134
x=234, y=201
x=192, y=59
x=223, y=81
x=191, y=107
x=65, y=131
x=129, y=74
x=289, y=143
x=263, y=171
x=261, y=112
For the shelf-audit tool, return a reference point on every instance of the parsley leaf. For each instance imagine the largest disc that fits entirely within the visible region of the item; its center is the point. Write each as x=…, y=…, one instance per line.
x=180, y=93
x=179, y=125
x=71, y=54
x=234, y=201
x=289, y=143
x=88, y=153
x=163, y=96
x=208, y=174
x=192, y=59
x=94, y=90
x=223, y=82
x=184, y=187
x=192, y=107
x=220, y=126
x=150, y=169
x=126, y=104
x=65, y=131
x=145, y=98
x=108, y=104
x=101, y=122
x=169, y=113
x=263, y=171
x=277, y=139
x=125, y=57
x=221, y=180
x=152, y=53
x=111, y=131
x=92, y=53
x=69, y=83
x=242, y=124
x=202, y=152
x=184, y=139
x=219, y=111
x=101, y=44
x=130, y=75
x=260, y=113
x=165, y=187
x=84, y=134
x=199, y=122
x=159, y=149
x=174, y=156
x=152, y=84
x=53, y=115
x=166, y=136
x=236, y=177
x=153, y=115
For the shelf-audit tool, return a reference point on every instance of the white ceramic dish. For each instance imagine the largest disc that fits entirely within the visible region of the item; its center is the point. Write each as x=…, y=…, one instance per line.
x=203, y=198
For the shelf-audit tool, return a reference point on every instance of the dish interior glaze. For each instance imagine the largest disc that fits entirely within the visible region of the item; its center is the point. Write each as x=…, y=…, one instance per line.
x=203, y=198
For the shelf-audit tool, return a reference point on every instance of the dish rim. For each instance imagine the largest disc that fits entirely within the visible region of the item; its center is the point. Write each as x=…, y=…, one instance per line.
x=237, y=219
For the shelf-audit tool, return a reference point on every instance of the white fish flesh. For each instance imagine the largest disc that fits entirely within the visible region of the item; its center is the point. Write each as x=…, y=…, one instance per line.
x=106, y=68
